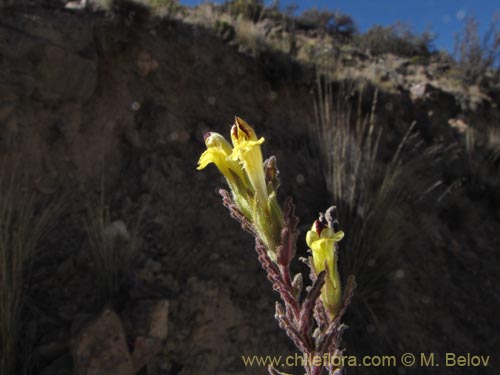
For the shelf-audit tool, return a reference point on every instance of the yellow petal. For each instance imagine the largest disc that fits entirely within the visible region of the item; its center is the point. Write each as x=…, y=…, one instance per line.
x=327, y=233
x=247, y=151
x=213, y=139
x=322, y=250
x=218, y=152
x=211, y=155
x=337, y=236
x=311, y=236
x=241, y=149
x=242, y=131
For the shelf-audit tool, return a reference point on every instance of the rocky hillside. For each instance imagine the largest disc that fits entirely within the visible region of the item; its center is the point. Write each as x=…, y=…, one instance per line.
x=110, y=112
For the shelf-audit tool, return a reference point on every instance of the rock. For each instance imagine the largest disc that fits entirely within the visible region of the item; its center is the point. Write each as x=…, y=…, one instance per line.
x=148, y=321
x=458, y=124
x=146, y=64
x=75, y=5
x=148, y=318
x=158, y=320
x=100, y=347
x=212, y=315
x=417, y=91
x=117, y=229
x=145, y=348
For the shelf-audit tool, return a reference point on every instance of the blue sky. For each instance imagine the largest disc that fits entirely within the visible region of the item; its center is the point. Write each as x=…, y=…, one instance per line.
x=443, y=17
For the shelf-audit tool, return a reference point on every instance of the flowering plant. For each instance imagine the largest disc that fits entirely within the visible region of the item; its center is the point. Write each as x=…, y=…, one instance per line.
x=310, y=317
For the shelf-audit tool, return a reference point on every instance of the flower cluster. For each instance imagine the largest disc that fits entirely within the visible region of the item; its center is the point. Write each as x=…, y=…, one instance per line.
x=253, y=183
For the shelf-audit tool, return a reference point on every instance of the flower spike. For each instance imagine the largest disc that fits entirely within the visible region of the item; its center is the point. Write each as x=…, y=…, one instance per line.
x=310, y=315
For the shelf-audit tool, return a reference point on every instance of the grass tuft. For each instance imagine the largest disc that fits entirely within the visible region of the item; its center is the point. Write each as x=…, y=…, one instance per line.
x=379, y=204
x=111, y=249
x=25, y=219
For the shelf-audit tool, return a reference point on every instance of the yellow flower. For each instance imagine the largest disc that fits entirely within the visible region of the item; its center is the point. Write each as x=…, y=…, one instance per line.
x=321, y=239
x=243, y=168
x=218, y=152
x=247, y=151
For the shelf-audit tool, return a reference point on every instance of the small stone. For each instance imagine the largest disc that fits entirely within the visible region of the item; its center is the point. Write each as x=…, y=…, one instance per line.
x=417, y=91
x=400, y=274
x=135, y=106
x=458, y=124
x=146, y=64
x=101, y=348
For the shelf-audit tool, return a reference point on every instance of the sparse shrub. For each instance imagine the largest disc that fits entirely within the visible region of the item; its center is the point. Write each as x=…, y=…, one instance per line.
x=475, y=56
x=248, y=9
x=273, y=12
x=206, y=15
x=396, y=39
x=482, y=149
x=336, y=24
x=130, y=11
x=420, y=60
x=164, y=8
x=251, y=36
x=444, y=59
x=225, y=30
